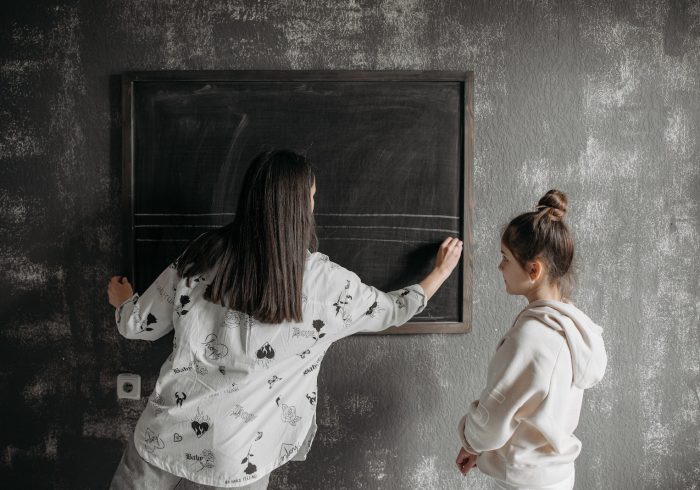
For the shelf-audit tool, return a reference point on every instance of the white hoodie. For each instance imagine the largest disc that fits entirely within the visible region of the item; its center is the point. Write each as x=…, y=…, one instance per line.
x=523, y=425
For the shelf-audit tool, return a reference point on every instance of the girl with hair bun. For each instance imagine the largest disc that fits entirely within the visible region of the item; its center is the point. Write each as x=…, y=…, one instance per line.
x=520, y=432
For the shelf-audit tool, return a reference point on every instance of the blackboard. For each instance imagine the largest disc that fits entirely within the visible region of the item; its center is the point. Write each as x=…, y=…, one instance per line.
x=392, y=150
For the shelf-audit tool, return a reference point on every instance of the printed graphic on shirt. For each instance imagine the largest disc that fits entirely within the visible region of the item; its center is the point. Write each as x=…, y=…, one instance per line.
x=315, y=365
x=214, y=350
x=286, y=452
x=238, y=412
x=324, y=258
x=143, y=324
x=298, y=332
x=289, y=413
x=265, y=354
x=177, y=437
x=318, y=326
x=311, y=397
x=196, y=365
x=341, y=305
x=374, y=309
x=153, y=441
x=200, y=423
x=150, y=319
x=180, y=307
x=274, y=379
x=180, y=397
x=166, y=296
x=182, y=369
x=250, y=467
x=157, y=402
x=201, y=370
x=314, y=334
x=172, y=354
x=232, y=389
x=401, y=300
x=234, y=319
x=202, y=461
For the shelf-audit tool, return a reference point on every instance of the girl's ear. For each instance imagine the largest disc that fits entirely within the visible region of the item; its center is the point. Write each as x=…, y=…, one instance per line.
x=535, y=270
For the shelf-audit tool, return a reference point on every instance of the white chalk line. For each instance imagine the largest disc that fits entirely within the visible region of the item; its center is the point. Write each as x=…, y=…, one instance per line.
x=164, y=240
x=427, y=318
x=391, y=214
x=184, y=214
x=177, y=226
x=442, y=216
x=389, y=228
x=317, y=226
x=321, y=239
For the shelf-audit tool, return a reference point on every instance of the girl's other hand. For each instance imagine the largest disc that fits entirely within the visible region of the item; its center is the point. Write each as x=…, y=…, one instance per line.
x=119, y=290
x=448, y=255
x=465, y=461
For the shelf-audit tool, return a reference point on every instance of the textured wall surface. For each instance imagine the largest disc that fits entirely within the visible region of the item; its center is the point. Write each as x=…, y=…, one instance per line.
x=600, y=99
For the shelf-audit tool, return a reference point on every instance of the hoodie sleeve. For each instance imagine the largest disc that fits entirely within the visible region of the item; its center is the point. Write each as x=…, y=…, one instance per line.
x=150, y=315
x=518, y=381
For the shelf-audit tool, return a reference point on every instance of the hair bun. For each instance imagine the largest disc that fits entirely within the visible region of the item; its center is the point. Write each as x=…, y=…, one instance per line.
x=554, y=202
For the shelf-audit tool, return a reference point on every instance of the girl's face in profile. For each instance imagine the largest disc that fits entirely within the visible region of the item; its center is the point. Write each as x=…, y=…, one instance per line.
x=313, y=192
x=516, y=278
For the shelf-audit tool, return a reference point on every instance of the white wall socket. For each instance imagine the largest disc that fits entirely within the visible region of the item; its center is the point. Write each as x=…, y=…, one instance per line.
x=129, y=386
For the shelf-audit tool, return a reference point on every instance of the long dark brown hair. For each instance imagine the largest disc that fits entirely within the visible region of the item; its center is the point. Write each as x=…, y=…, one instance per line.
x=543, y=234
x=258, y=259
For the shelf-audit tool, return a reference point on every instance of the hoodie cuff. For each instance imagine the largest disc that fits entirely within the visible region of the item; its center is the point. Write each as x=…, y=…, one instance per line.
x=465, y=444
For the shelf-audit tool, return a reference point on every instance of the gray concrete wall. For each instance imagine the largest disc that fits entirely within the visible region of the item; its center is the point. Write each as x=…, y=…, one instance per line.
x=600, y=99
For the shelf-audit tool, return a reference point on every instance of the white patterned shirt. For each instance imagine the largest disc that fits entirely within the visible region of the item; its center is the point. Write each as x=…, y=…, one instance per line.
x=237, y=398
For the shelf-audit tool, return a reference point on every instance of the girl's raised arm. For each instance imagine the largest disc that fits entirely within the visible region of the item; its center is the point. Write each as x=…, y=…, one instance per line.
x=358, y=307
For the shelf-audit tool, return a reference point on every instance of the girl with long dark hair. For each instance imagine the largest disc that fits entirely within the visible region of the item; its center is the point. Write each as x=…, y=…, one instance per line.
x=254, y=311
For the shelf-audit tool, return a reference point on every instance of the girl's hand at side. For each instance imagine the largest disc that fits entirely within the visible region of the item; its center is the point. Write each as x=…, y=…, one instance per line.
x=119, y=290
x=465, y=461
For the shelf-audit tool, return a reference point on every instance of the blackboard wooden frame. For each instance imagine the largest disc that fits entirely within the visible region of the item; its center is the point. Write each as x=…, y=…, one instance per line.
x=466, y=81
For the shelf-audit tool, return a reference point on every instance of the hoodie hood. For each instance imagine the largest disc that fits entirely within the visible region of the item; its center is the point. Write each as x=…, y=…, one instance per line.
x=584, y=337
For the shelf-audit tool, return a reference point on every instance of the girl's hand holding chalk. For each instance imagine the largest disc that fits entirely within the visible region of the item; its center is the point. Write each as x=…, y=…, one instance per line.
x=119, y=290
x=448, y=255
x=447, y=259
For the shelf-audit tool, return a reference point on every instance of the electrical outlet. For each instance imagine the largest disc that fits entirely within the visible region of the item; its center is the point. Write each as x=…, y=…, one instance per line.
x=129, y=386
